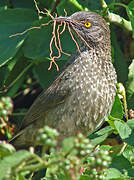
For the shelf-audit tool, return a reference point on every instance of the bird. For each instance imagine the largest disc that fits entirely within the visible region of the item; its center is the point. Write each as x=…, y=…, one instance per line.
x=83, y=92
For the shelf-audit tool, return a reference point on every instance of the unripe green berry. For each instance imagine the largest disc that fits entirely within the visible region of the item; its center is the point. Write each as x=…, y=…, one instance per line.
x=94, y=171
x=92, y=159
x=86, y=141
x=49, y=142
x=88, y=151
x=80, y=136
x=105, y=163
x=67, y=167
x=43, y=137
x=82, y=152
x=1, y=105
x=67, y=161
x=3, y=112
x=83, y=146
x=99, y=161
x=3, y=99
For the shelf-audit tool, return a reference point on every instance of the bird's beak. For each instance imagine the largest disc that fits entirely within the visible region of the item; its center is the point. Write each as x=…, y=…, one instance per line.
x=67, y=19
x=61, y=19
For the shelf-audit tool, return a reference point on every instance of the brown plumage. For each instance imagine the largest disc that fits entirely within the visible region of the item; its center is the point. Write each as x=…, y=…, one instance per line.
x=84, y=91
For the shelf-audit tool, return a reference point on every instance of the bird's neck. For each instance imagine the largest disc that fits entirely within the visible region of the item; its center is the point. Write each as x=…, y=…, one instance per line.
x=101, y=50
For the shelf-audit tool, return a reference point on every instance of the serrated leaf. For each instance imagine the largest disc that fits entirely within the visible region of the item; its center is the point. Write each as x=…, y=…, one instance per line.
x=10, y=162
x=113, y=173
x=101, y=132
x=100, y=136
x=99, y=139
x=123, y=129
x=129, y=152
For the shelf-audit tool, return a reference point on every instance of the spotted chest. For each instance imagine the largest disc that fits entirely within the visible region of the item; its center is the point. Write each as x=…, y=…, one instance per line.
x=89, y=93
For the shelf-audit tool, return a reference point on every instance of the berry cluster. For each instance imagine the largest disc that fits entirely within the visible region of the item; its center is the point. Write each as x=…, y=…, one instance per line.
x=70, y=162
x=98, y=162
x=6, y=108
x=83, y=145
x=47, y=137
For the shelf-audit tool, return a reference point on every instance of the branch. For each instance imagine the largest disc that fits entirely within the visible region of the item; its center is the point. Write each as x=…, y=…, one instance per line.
x=114, y=18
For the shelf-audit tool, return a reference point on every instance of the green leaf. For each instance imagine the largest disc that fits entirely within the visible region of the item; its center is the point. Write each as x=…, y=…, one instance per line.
x=130, y=139
x=119, y=61
x=99, y=139
x=45, y=76
x=106, y=147
x=130, y=13
x=101, y=132
x=100, y=136
x=123, y=129
x=23, y=4
x=120, y=163
x=10, y=162
x=37, y=42
x=13, y=21
x=113, y=173
x=117, y=109
x=68, y=144
x=129, y=153
x=6, y=149
x=36, y=46
x=130, y=123
x=130, y=86
x=17, y=74
x=84, y=177
x=3, y=75
x=70, y=6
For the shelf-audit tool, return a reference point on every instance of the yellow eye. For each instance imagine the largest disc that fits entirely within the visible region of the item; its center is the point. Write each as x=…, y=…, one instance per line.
x=87, y=24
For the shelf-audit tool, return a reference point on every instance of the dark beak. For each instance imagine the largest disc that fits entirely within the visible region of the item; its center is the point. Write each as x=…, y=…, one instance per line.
x=66, y=19
x=69, y=20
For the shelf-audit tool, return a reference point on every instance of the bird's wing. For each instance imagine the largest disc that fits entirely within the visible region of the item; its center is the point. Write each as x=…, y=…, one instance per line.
x=46, y=101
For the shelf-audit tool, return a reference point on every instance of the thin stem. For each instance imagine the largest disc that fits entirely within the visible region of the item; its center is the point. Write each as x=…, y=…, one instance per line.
x=117, y=4
x=115, y=18
x=123, y=148
x=69, y=29
x=64, y=27
x=65, y=12
x=50, y=14
x=58, y=36
x=37, y=7
x=22, y=33
x=51, y=50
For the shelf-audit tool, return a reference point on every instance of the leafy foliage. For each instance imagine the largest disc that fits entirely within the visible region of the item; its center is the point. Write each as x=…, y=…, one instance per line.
x=24, y=62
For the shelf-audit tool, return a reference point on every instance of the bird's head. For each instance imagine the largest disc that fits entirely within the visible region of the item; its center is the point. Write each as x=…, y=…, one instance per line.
x=90, y=26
